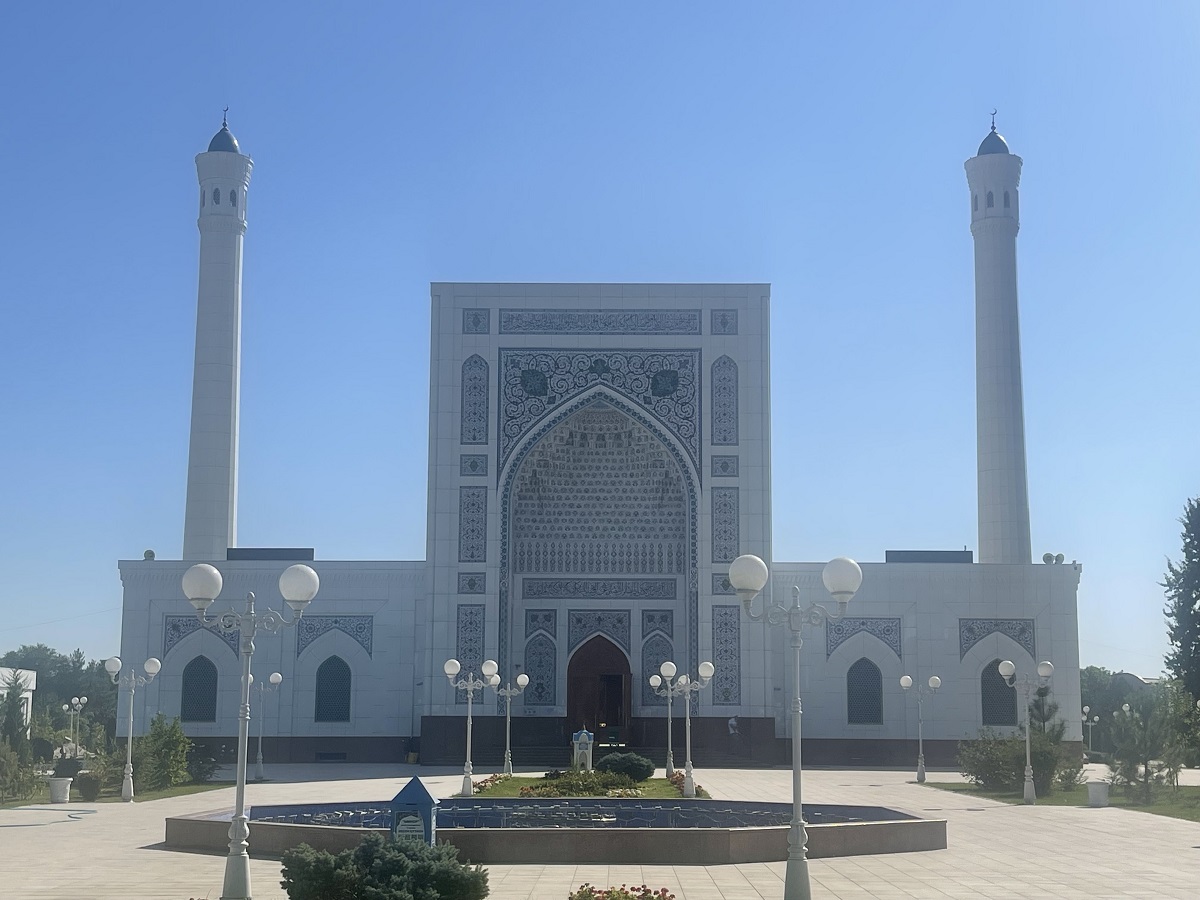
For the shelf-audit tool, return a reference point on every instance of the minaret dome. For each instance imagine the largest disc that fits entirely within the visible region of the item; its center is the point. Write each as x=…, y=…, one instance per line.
x=224, y=141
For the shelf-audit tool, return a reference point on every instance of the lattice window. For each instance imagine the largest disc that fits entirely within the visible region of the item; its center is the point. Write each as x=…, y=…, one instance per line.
x=998, y=700
x=333, y=691
x=199, y=697
x=864, y=693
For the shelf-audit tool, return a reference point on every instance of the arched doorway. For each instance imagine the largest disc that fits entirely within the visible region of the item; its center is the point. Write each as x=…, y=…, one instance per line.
x=598, y=690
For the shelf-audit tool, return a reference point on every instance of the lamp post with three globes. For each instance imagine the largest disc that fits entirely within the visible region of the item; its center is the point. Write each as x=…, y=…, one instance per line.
x=507, y=692
x=74, y=710
x=470, y=684
x=1027, y=686
x=906, y=682
x=842, y=578
x=133, y=681
x=202, y=584
x=275, y=680
x=662, y=685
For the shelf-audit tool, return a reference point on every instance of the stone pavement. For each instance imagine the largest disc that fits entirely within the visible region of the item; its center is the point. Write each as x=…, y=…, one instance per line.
x=108, y=850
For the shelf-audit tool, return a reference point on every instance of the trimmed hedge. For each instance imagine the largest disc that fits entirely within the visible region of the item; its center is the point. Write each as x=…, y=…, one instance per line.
x=635, y=766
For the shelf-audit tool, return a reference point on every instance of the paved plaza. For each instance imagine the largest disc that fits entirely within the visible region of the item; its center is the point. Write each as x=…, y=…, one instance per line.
x=112, y=850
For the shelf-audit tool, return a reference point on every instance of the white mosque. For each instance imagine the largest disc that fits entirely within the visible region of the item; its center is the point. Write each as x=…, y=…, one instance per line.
x=598, y=455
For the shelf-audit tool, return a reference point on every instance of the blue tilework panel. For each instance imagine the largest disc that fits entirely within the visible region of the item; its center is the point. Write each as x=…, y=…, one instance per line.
x=583, y=623
x=724, y=402
x=474, y=413
x=727, y=655
x=472, y=465
x=724, y=467
x=724, y=321
x=541, y=620
x=840, y=631
x=599, y=494
x=468, y=642
x=721, y=585
x=601, y=321
x=176, y=628
x=541, y=665
x=472, y=524
x=472, y=582
x=360, y=628
x=726, y=537
x=655, y=651
x=972, y=631
x=665, y=383
x=658, y=620
x=598, y=588
x=476, y=321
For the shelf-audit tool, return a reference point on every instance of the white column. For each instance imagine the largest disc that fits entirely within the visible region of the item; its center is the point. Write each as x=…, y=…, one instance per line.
x=994, y=176
x=210, y=520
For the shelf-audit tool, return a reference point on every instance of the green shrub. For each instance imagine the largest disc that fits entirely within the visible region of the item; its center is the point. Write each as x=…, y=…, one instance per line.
x=635, y=766
x=381, y=870
x=997, y=763
x=160, y=756
x=88, y=785
x=624, y=892
x=201, y=765
x=67, y=767
x=577, y=784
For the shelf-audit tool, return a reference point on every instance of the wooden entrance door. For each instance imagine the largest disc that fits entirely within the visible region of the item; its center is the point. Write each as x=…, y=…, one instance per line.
x=598, y=690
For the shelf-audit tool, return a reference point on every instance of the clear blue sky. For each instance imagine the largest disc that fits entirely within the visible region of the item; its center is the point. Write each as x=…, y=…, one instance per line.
x=818, y=147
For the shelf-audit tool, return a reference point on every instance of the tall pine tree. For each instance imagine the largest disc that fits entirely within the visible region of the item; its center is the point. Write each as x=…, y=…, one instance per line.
x=1182, y=584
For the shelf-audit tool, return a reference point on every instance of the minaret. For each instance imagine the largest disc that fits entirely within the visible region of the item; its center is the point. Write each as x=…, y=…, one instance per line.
x=210, y=520
x=994, y=175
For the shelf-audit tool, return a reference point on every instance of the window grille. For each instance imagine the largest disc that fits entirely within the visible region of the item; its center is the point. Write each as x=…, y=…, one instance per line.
x=864, y=693
x=199, y=696
x=999, y=701
x=333, y=691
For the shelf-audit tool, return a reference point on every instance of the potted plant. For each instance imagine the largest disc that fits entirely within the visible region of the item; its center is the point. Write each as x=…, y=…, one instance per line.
x=65, y=770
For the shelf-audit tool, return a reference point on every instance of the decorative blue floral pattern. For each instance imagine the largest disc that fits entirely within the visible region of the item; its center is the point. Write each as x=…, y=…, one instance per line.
x=472, y=524
x=474, y=413
x=541, y=665
x=665, y=383
x=600, y=321
x=839, y=631
x=658, y=620
x=727, y=655
x=724, y=467
x=476, y=321
x=176, y=628
x=972, y=631
x=583, y=623
x=726, y=528
x=472, y=464
x=655, y=651
x=472, y=582
x=724, y=321
x=360, y=628
x=541, y=620
x=724, y=402
x=469, y=641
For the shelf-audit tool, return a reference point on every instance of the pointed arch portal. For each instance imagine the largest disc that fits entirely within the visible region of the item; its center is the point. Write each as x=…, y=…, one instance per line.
x=598, y=690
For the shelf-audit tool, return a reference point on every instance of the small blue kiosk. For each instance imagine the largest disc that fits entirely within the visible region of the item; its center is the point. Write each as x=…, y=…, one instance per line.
x=414, y=814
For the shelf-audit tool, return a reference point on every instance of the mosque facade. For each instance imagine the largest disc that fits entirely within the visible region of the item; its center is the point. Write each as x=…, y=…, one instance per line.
x=598, y=455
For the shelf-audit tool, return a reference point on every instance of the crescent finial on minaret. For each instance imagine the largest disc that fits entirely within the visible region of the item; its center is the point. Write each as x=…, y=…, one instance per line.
x=225, y=119
x=993, y=118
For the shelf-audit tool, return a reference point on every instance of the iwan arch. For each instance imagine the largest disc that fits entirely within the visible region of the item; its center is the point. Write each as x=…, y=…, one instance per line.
x=598, y=454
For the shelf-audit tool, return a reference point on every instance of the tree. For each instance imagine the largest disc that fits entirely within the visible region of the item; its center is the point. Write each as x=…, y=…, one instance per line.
x=12, y=718
x=1182, y=585
x=59, y=678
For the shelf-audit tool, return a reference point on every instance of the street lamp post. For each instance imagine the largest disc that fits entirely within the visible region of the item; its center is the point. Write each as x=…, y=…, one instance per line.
x=133, y=681
x=73, y=710
x=1089, y=722
x=263, y=689
x=1027, y=686
x=201, y=585
x=686, y=687
x=906, y=682
x=507, y=692
x=842, y=577
x=661, y=685
x=470, y=684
